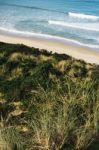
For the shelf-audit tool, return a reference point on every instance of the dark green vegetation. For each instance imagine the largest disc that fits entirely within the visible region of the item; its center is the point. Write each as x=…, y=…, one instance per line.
x=47, y=101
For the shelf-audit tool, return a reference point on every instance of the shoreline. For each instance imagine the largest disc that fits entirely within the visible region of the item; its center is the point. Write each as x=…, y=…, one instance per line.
x=54, y=44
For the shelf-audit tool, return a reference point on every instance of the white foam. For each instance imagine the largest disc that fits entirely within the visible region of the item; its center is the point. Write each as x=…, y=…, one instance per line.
x=83, y=16
x=84, y=26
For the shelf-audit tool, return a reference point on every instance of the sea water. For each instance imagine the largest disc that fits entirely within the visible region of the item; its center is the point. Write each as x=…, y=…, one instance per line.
x=76, y=20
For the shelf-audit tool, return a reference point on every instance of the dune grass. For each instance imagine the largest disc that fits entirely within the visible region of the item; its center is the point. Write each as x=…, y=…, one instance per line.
x=47, y=101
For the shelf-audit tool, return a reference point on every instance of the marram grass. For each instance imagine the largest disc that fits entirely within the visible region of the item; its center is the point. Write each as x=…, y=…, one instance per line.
x=47, y=101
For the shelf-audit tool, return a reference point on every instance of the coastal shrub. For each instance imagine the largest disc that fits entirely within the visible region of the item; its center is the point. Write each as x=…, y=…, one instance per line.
x=10, y=65
x=46, y=53
x=36, y=52
x=41, y=74
x=60, y=57
x=3, y=60
x=27, y=65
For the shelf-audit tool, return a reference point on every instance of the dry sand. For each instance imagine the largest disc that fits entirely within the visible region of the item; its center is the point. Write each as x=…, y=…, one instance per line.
x=55, y=45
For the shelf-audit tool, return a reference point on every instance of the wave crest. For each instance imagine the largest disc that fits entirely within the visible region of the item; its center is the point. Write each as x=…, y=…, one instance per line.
x=83, y=16
x=84, y=26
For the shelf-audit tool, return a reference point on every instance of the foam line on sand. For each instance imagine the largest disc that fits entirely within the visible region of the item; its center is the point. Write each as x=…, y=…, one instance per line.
x=55, y=45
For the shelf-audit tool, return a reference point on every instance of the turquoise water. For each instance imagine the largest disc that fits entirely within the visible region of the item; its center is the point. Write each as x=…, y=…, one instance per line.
x=76, y=20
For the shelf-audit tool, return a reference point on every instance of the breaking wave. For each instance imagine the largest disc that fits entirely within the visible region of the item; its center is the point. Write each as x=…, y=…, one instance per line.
x=83, y=16
x=84, y=26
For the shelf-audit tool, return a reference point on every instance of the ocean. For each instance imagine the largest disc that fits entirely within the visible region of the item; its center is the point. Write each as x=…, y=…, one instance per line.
x=75, y=20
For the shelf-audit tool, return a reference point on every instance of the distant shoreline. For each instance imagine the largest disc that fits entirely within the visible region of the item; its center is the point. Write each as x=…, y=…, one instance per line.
x=54, y=44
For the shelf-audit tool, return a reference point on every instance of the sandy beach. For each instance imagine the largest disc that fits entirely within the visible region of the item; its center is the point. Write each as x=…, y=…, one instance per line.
x=54, y=44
